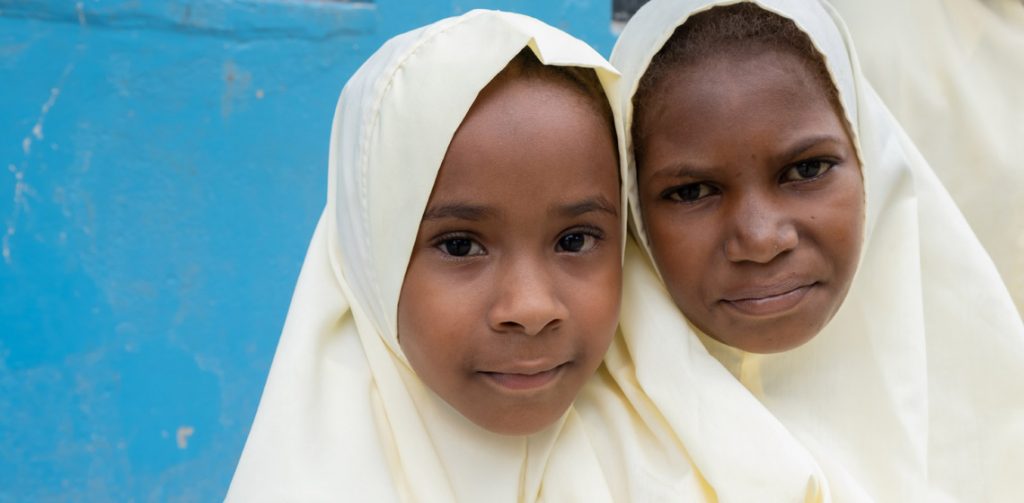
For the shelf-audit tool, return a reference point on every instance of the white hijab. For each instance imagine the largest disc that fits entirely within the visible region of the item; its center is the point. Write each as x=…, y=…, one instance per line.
x=952, y=72
x=915, y=390
x=343, y=416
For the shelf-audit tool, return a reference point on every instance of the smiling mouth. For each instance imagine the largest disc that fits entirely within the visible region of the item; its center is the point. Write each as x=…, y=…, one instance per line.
x=525, y=381
x=770, y=304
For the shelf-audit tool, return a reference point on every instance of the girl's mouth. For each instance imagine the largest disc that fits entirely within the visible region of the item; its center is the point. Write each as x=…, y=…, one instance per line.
x=770, y=304
x=526, y=380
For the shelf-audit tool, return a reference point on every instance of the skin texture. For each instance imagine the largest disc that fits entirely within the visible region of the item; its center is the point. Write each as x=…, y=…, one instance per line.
x=753, y=199
x=512, y=293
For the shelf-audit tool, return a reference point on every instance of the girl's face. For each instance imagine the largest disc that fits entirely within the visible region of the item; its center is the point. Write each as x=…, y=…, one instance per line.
x=512, y=293
x=752, y=197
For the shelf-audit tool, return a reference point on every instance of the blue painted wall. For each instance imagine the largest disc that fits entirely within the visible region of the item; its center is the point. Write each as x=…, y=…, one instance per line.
x=163, y=166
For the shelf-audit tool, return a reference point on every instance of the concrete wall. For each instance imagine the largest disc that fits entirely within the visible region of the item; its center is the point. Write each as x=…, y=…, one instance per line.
x=162, y=166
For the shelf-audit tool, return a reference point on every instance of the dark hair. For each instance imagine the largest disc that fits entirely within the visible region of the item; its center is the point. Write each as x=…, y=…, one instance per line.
x=584, y=80
x=732, y=27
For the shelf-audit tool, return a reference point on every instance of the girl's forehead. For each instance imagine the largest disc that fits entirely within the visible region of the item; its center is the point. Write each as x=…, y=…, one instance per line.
x=745, y=86
x=512, y=95
x=764, y=27
x=571, y=86
x=515, y=152
x=796, y=79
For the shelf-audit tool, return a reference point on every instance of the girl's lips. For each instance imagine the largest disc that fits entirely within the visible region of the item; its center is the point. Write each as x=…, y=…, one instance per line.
x=525, y=381
x=771, y=304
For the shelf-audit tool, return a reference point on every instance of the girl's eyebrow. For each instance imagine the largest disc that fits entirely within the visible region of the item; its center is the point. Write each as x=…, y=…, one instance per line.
x=687, y=171
x=461, y=211
x=593, y=203
x=684, y=171
x=802, y=145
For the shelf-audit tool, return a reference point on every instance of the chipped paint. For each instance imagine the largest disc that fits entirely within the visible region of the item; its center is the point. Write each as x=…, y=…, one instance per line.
x=37, y=128
x=184, y=432
x=236, y=83
x=21, y=187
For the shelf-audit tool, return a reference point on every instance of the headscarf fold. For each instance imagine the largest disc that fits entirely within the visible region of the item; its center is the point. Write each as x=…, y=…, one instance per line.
x=952, y=73
x=915, y=390
x=343, y=416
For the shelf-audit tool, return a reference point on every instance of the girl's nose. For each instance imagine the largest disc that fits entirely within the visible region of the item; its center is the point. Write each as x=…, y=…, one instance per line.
x=759, y=231
x=527, y=299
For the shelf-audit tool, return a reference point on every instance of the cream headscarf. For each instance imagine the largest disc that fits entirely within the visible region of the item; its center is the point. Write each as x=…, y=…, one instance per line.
x=952, y=72
x=343, y=416
x=915, y=390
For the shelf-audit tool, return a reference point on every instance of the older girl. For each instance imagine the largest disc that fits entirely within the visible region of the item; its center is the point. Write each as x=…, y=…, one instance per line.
x=814, y=252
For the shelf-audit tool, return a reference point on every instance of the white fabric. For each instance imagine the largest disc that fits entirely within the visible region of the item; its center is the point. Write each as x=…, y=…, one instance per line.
x=915, y=390
x=690, y=431
x=952, y=72
x=343, y=417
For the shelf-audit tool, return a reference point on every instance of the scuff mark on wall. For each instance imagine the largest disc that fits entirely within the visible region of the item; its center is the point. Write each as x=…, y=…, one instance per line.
x=236, y=84
x=86, y=161
x=21, y=188
x=9, y=232
x=80, y=11
x=7, y=243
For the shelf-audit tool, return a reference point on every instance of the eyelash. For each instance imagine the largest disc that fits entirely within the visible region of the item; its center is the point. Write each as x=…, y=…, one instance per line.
x=587, y=231
x=672, y=194
x=705, y=189
x=825, y=164
x=443, y=242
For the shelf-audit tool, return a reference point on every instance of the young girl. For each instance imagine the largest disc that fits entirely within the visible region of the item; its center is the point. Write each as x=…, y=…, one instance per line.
x=462, y=284
x=813, y=250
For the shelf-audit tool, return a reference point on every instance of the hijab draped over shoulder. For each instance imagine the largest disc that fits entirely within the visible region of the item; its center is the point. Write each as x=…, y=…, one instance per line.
x=343, y=417
x=952, y=72
x=915, y=389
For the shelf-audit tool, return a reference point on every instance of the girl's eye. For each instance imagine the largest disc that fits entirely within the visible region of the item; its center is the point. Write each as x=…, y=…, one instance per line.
x=807, y=170
x=577, y=242
x=690, y=192
x=460, y=247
